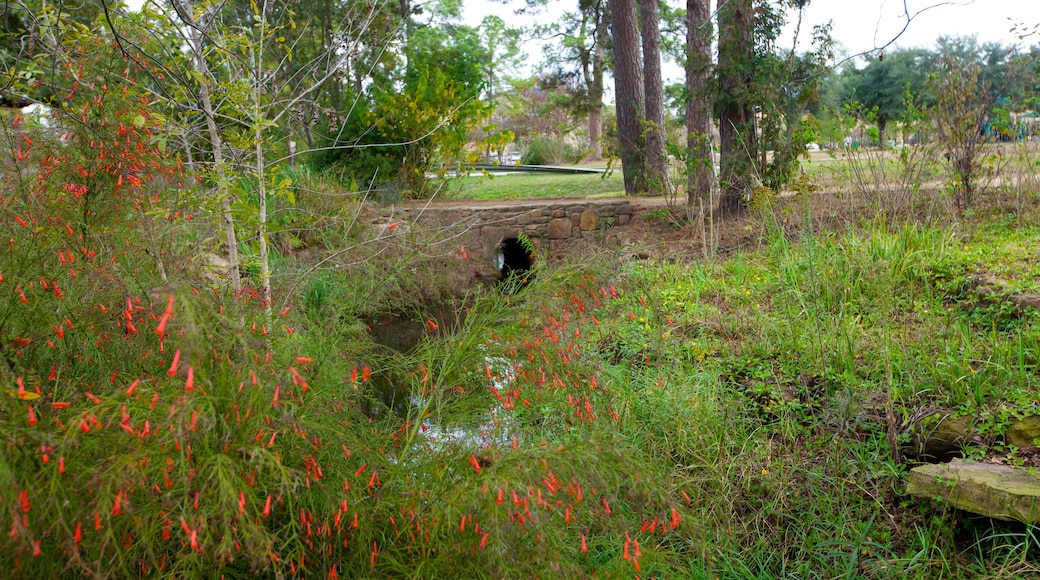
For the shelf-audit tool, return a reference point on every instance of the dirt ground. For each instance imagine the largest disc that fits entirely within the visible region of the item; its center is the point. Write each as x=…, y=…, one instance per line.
x=661, y=229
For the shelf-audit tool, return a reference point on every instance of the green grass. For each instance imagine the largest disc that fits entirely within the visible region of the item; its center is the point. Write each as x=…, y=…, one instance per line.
x=534, y=185
x=786, y=356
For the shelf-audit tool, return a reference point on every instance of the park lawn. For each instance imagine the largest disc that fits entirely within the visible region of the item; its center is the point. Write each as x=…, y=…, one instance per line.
x=535, y=185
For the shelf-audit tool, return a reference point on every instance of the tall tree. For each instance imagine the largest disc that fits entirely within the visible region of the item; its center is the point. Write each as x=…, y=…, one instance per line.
x=700, y=162
x=502, y=53
x=882, y=85
x=534, y=109
x=737, y=139
x=414, y=102
x=428, y=110
x=584, y=37
x=628, y=93
x=653, y=91
x=593, y=70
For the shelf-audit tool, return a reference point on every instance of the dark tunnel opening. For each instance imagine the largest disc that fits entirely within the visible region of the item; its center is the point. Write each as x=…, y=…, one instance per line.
x=514, y=261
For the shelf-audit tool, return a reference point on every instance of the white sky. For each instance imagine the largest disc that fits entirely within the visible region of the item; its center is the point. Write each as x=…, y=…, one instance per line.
x=862, y=25
x=859, y=25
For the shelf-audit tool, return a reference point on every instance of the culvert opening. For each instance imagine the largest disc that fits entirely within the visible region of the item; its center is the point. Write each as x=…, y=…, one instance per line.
x=514, y=261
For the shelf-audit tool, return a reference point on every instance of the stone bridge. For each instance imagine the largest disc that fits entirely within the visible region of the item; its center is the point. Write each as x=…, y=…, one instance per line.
x=548, y=223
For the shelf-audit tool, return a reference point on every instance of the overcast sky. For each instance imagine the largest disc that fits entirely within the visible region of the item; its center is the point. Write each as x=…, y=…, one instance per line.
x=859, y=25
x=862, y=25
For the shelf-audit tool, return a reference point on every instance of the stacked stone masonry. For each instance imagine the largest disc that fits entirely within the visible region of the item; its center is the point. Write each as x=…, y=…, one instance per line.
x=546, y=223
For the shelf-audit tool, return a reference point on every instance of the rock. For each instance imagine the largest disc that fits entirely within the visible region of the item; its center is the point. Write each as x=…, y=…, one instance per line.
x=589, y=220
x=494, y=234
x=558, y=229
x=990, y=285
x=943, y=439
x=215, y=268
x=624, y=218
x=393, y=227
x=1024, y=433
x=451, y=217
x=1026, y=301
x=997, y=491
x=635, y=254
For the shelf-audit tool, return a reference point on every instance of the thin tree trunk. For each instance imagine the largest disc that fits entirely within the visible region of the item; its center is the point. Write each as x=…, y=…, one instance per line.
x=187, y=13
x=653, y=91
x=405, y=9
x=700, y=164
x=628, y=93
x=261, y=176
x=596, y=99
x=265, y=264
x=189, y=159
x=596, y=130
x=738, y=143
x=595, y=83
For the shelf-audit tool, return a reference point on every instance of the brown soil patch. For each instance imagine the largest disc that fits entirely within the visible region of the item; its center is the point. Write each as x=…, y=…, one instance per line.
x=661, y=229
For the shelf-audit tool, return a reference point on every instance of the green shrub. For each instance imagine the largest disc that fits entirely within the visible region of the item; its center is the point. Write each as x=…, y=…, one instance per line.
x=546, y=151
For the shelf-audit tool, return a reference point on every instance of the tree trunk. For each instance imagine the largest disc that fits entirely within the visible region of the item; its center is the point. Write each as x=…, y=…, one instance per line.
x=596, y=130
x=738, y=143
x=261, y=165
x=653, y=91
x=187, y=14
x=596, y=90
x=700, y=164
x=404, y=7
x=628, y=93
x=593, y=63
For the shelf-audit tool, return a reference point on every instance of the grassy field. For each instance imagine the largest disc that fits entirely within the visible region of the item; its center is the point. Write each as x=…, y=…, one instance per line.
x=829, y=170
x=534, y=185
x=862, y=168
x=762, y=385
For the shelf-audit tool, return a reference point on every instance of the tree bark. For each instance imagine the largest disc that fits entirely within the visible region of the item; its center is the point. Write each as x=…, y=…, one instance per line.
x=596, y=130
x=261, y=164
x=186, y=13
x=594, y=80
x=700, y=170
x=653, y=92
x=628, y=93
x=737, y=140
x=404, y=8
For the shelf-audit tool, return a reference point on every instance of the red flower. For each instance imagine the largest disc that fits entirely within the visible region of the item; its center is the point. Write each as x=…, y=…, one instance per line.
x=173, y=365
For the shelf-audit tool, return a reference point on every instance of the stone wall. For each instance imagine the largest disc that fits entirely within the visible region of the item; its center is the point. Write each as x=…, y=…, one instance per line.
x=547, y=223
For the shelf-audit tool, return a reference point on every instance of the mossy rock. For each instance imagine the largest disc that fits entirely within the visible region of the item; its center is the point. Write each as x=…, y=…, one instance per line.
x=997, y=491
x=1024, y=433
x=943, y=437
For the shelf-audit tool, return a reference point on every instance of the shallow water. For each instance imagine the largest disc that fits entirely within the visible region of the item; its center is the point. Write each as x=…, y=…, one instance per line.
x=404, y=334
